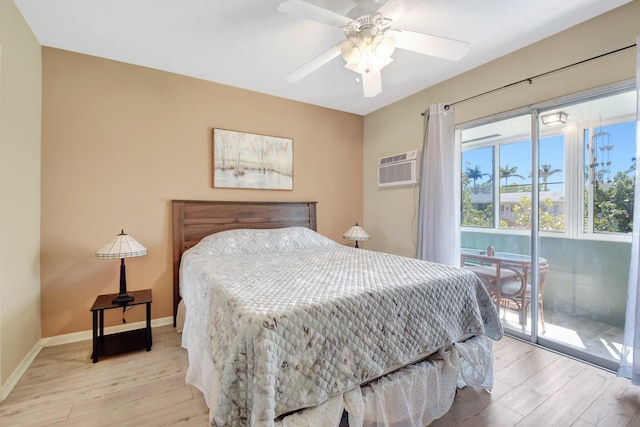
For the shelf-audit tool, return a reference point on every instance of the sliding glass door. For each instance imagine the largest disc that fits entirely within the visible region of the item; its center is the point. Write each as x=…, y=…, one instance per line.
x=546, y=219
x=585, y=300
x=496, y=213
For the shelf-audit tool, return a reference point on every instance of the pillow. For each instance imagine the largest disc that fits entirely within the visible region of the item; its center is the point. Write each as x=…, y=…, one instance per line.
x=255, y=241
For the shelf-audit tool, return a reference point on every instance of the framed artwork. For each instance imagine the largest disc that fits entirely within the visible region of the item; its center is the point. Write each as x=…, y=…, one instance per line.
x=247, y=160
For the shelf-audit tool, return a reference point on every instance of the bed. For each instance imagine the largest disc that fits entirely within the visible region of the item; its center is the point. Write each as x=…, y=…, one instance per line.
x=286, y=327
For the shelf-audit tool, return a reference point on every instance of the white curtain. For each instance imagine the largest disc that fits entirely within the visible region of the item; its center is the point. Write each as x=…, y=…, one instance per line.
x=630, y=358
x=439, y=209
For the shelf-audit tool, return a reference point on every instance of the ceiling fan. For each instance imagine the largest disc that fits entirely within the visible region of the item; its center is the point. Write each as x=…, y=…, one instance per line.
x=370, y=39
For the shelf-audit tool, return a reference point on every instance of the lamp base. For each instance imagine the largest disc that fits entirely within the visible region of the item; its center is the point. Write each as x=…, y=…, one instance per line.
x=122, y=299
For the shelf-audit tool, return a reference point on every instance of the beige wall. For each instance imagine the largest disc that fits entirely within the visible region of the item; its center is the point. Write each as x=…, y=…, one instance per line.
x=121, y=141
x=20, y=91
x=390, y=214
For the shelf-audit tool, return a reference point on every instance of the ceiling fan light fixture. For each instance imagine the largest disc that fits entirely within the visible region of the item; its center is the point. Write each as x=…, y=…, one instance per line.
x=368, y=64
x=384, y=46
x=366, y=56
x=351, y=51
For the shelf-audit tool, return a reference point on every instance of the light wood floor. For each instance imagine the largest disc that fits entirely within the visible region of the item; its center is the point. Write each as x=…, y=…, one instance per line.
x=533, y=387
x=64, y=388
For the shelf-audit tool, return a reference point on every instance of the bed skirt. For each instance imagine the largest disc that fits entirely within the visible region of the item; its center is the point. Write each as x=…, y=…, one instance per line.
x=415, y=395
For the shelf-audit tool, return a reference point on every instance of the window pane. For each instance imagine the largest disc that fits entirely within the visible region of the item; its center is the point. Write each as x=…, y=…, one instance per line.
x=611, y=171
x=552, y=183
x=477, y=187
x=588, y=196
x=515, y=185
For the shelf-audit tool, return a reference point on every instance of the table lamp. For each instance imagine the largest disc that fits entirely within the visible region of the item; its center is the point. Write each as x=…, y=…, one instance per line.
x=356, y=233
x=122, y=246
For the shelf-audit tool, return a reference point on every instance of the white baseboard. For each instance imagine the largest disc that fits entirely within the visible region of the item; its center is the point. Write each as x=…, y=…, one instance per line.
x=22, y=367
x=17, y=373
x=87, y=335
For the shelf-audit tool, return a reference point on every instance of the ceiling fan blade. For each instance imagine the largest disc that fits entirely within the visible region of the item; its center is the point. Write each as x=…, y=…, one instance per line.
x=302, y=9
x=372, y=84
x=314, y=64
x=440, y=47
x=396, y=9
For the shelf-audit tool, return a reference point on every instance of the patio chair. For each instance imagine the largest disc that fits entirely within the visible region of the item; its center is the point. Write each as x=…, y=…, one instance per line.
x=509, y=286
x=493, y=276
x=516, y=294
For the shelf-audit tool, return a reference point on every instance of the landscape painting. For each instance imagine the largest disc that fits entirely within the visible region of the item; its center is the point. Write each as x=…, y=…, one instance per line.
x=247, y=160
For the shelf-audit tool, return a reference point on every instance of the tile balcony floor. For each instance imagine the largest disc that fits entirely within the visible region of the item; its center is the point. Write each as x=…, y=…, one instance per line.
x=580, y=333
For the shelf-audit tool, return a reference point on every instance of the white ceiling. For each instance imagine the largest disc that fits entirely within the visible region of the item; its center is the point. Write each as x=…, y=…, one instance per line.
x=249, y=44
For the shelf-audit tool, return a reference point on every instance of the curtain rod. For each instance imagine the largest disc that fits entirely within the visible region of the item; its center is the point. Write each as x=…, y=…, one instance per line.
x=530, y=79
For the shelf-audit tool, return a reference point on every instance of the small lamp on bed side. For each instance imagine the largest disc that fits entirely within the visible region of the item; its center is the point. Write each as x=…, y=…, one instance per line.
x=356, y=233
x=122, y=246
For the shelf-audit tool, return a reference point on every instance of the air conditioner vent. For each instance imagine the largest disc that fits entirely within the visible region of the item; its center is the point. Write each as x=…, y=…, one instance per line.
x=399, y=169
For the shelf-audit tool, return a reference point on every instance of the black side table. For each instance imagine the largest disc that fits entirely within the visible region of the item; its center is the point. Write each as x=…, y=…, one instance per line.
x=106, y=345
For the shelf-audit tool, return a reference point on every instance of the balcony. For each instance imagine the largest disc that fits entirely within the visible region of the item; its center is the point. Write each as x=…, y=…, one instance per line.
x=585, y=294
x=580, y=333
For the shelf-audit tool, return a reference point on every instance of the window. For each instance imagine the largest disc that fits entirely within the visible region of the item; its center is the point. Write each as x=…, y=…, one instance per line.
x=477, y=184
x=609, y=178
x=515, y=184
x=551, y=178
x=585, y=169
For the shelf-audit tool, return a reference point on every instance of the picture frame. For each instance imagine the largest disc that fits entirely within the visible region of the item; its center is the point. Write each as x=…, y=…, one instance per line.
x=253, y=161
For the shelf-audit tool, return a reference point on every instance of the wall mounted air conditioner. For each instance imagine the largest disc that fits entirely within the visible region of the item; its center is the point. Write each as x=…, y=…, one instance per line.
x=399, y=169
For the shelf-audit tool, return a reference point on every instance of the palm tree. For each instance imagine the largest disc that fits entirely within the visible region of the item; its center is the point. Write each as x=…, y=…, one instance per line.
x=507, y=172
x=474, y=174
x=632, y=168
x=545, y=172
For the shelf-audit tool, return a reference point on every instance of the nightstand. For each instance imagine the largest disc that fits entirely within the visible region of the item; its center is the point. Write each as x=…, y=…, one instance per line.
x=106, y=345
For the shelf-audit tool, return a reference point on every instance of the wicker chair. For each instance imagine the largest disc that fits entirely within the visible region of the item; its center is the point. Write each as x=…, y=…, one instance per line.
x=515, y=293
x=494, y=276
x=509, y=286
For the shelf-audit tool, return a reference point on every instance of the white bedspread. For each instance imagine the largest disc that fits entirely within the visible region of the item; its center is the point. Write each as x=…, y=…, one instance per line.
x=279, y=320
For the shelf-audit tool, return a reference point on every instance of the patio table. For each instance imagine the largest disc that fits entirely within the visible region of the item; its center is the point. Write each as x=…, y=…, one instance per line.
x=502, y=268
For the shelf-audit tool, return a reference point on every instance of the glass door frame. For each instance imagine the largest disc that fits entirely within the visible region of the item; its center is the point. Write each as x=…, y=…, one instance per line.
x=576, y=230
x=535, y=111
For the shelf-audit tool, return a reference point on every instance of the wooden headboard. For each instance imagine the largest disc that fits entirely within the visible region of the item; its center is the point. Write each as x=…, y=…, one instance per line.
x=195, y=219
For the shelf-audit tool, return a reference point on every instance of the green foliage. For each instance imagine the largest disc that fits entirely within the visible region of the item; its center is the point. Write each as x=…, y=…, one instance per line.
x=515, y=188
x=470, y=216
x=549, y=221
x=613, y=205
x=522, y=212
x=546, y=219
x=483, y=188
